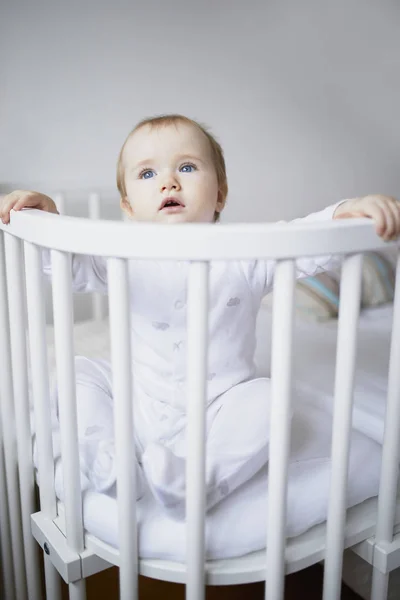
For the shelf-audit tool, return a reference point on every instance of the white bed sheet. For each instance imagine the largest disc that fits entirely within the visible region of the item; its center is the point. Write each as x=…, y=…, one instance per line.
x=314, y=365
x=238, y=525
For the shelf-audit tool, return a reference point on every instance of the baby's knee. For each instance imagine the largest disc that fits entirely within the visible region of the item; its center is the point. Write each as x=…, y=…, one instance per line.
x=252, y=396
x=89, y=373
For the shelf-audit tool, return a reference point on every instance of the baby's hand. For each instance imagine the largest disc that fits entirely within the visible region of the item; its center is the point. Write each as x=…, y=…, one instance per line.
x=383, y=210
x=22, y=199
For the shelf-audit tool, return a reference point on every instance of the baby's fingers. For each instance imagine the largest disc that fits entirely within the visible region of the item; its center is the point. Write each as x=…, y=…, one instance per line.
x=390, y=222
x=7, y=205
x=16, y=201
x=393, y=231
x=379, y=215
x=27, y=201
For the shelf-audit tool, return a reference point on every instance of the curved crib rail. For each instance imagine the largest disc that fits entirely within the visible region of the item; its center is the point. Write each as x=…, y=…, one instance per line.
x=194, y=241
x=198, y=244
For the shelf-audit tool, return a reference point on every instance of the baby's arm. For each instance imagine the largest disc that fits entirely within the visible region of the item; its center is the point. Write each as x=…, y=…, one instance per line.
x=384, y=212
x=305, y=266
x=88, y=272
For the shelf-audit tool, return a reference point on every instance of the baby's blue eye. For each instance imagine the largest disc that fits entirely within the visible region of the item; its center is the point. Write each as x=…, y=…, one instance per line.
x=145, y=173
x=191, y=167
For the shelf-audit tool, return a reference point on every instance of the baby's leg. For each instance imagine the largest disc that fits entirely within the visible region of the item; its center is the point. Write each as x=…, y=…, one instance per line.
x=96, y=425
x=237, y=447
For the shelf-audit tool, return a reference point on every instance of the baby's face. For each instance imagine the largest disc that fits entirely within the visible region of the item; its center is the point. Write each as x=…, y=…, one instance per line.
x=170, y=176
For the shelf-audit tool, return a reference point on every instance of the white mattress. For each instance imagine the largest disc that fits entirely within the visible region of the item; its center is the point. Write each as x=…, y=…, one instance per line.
x=238, y=525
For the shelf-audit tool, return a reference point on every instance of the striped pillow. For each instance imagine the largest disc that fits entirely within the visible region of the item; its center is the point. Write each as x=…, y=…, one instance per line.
x=317, y=297
x=378, y=280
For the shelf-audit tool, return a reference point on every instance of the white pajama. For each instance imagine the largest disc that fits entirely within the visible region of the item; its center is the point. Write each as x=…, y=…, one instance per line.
x=237, y=403
x=237, y=439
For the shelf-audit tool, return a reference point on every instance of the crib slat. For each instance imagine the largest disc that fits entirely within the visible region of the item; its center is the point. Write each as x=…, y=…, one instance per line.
x=7, y=571
x=281, y=392
x=391, y=449
x=120, y=332
x=6, y=564
x=94, y=206
x=66, y=384
x=41, y=400
x=379, y=585
x=40, y=378
x=97, y=299
x=197, y=342
x=17, y=311
x=9, y=435
x=350, y=296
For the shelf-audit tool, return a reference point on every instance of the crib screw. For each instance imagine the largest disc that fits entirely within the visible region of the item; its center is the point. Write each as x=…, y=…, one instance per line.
x=46, y=548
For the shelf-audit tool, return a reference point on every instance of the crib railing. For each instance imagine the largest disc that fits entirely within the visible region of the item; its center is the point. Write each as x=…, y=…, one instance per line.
x=20, y=262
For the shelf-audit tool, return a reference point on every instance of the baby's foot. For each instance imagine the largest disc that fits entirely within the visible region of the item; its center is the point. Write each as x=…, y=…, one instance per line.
x=103, y=473
x=166, y=474
x=103, y=469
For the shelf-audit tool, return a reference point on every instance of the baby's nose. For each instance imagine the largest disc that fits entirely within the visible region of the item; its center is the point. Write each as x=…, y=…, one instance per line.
x=171, y=186
x=170, y=183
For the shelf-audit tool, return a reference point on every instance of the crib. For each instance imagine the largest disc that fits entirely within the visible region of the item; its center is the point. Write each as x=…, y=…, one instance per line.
x=72, y=553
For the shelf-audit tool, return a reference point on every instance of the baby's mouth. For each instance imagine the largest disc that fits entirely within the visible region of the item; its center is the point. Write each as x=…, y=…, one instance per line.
x=171, y=203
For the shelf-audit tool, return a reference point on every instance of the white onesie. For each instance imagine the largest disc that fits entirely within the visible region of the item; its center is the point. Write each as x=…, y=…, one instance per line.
x=237, y=403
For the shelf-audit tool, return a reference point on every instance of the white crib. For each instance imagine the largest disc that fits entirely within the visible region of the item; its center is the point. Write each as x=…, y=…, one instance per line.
x=68, y=550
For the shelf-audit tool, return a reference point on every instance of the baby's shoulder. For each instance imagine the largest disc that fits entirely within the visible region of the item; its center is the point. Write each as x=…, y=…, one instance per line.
x=234, y=269
x=237, y=273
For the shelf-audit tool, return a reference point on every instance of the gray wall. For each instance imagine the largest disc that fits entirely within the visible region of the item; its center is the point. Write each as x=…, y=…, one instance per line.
x=304, y=96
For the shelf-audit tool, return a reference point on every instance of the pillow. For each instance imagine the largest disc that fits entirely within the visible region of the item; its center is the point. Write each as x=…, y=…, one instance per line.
x=317, y=297
x=377, y=280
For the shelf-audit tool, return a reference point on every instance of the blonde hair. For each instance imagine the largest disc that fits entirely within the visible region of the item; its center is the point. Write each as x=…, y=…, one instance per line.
x=217, y=153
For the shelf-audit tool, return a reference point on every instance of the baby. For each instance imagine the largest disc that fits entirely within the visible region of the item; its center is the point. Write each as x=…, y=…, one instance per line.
x=171, y=170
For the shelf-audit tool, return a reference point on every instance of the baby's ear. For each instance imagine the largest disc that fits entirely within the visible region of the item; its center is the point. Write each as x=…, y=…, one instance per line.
x=220, y=201
x=126, y=206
